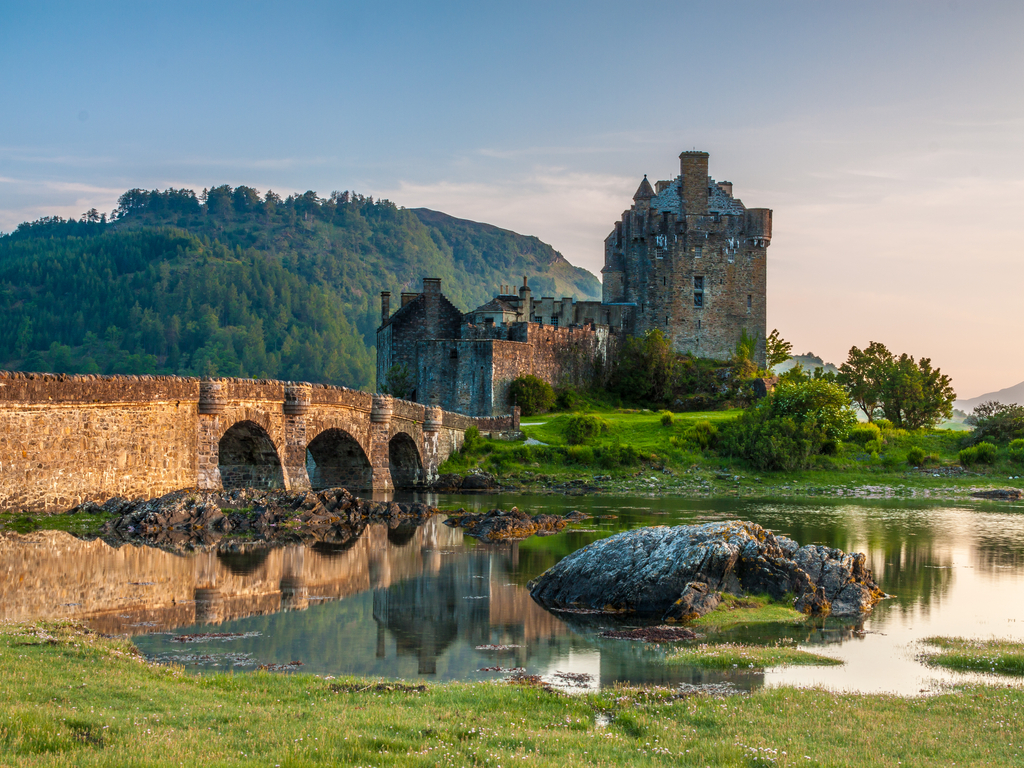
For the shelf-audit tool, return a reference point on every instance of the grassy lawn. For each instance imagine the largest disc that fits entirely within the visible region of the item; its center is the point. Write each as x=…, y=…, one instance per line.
x=636, y=441
x=69, y=697
x=1002, y=656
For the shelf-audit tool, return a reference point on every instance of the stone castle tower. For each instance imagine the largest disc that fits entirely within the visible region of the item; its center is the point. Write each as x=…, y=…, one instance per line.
x=689, y=258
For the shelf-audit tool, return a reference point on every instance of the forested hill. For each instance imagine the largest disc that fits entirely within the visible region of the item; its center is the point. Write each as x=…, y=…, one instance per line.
x=231, y=283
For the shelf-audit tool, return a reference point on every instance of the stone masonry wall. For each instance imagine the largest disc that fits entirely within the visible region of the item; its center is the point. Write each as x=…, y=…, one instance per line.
x=64, y=439
x=68, y=439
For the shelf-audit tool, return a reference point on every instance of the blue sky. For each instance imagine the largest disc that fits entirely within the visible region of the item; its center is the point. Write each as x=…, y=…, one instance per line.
x=888, y=137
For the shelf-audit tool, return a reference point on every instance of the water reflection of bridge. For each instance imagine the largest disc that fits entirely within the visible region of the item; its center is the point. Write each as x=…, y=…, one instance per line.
x=420, y=573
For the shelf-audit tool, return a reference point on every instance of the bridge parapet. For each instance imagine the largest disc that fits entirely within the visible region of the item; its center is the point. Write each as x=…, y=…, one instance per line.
x=66, y=439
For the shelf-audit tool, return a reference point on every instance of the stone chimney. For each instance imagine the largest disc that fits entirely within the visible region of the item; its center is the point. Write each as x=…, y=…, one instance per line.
x=385, y=306
x=693, y=167
x=432, y=306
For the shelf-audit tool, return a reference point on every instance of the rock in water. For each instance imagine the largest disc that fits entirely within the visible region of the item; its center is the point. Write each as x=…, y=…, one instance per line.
x=679, y=573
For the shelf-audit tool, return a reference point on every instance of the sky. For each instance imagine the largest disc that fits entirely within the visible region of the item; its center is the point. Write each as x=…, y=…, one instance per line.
x=887, y=137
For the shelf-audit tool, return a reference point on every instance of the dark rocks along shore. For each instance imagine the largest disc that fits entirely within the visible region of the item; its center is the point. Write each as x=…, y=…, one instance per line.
x=191, y=518
x=511, y=525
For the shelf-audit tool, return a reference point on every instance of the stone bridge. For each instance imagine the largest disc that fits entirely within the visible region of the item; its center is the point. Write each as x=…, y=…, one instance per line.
x=67, y=439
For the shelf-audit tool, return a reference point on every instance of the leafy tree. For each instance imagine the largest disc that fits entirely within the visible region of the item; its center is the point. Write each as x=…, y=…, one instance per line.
x=645, y=369
x=915, y=395
x=531, y=394
x=399, y=381
x=777, y=350
x=911, y=394
x=996, y=421
x=864, y=375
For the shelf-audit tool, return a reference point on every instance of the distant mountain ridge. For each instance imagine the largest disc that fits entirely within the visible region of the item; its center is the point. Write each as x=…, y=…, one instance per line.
x=232, y=283
x=1014, y=394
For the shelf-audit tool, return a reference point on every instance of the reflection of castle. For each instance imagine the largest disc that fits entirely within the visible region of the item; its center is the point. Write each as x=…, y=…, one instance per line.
x=687, y=258
x=468, y=598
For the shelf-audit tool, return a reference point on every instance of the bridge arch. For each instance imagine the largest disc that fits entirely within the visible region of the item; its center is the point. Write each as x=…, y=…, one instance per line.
x=247, y=457
x=404, y=461
x=334, y=458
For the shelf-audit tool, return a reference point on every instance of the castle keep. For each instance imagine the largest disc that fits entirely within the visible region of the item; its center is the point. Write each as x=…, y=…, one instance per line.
x=687, y=258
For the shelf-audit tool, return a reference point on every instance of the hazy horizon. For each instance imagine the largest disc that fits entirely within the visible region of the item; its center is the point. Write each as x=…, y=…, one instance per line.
x=886, y=137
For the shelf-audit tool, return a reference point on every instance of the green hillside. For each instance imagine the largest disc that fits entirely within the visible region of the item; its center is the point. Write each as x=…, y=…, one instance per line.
x=230, y=283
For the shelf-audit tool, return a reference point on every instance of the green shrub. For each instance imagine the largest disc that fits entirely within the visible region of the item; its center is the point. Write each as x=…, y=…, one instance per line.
x=703, y=434
x=883, y=423
x=532, y=395
x=566, y=399
x=580, y=454
x=982, y=453
x=667, y=419
x=790, y=426
x=1017, y=451
x=472, y=441
x=580, y=429
x=865, y=433
x=915, y=456
x=873, y=446
x=986, y=453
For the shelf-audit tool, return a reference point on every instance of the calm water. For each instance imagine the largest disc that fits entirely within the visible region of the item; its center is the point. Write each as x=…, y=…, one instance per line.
x=427, y=603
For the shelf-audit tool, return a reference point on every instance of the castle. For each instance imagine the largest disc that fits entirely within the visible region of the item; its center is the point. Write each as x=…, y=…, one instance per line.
x=687, y=258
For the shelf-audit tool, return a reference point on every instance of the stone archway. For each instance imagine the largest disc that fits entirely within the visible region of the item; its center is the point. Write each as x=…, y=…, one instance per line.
x=334, y=459
x=248, y=458
x=404, y=461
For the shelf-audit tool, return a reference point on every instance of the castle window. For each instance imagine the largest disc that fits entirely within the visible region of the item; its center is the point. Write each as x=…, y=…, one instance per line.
x=749, y=301
x=666, y=319
x=698, y=291
x=663, y=281
x=697, y=252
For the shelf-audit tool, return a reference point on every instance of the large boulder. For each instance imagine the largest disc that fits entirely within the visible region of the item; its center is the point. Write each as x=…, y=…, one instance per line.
x=679, y=573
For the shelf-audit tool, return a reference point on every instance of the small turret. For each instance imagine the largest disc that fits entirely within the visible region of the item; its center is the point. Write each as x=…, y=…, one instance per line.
x=644, y=192
x=525, y=302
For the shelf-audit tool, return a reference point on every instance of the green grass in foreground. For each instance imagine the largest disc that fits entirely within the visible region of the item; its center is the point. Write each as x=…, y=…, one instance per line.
x=72, y=698
x=733, y=655
x=1002, y=656
x=749, y=609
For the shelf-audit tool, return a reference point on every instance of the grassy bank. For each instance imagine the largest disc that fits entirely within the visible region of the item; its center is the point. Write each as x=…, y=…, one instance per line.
x=1001, y=656
x=735, y=611
x=636, y=451
x=737, y=655
x=73, y=698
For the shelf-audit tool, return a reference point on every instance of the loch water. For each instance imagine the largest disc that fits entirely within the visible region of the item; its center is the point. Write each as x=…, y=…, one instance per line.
x=426, y=603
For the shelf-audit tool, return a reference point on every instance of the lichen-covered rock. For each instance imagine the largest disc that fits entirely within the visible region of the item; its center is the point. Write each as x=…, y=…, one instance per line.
x=679, y=573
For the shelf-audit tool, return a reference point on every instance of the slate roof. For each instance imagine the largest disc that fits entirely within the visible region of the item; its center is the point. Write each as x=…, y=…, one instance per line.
x=645, y=191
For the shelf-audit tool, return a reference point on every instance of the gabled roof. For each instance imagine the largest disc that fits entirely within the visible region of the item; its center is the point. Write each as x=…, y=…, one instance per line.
x=495, y=305
x=645, y=191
